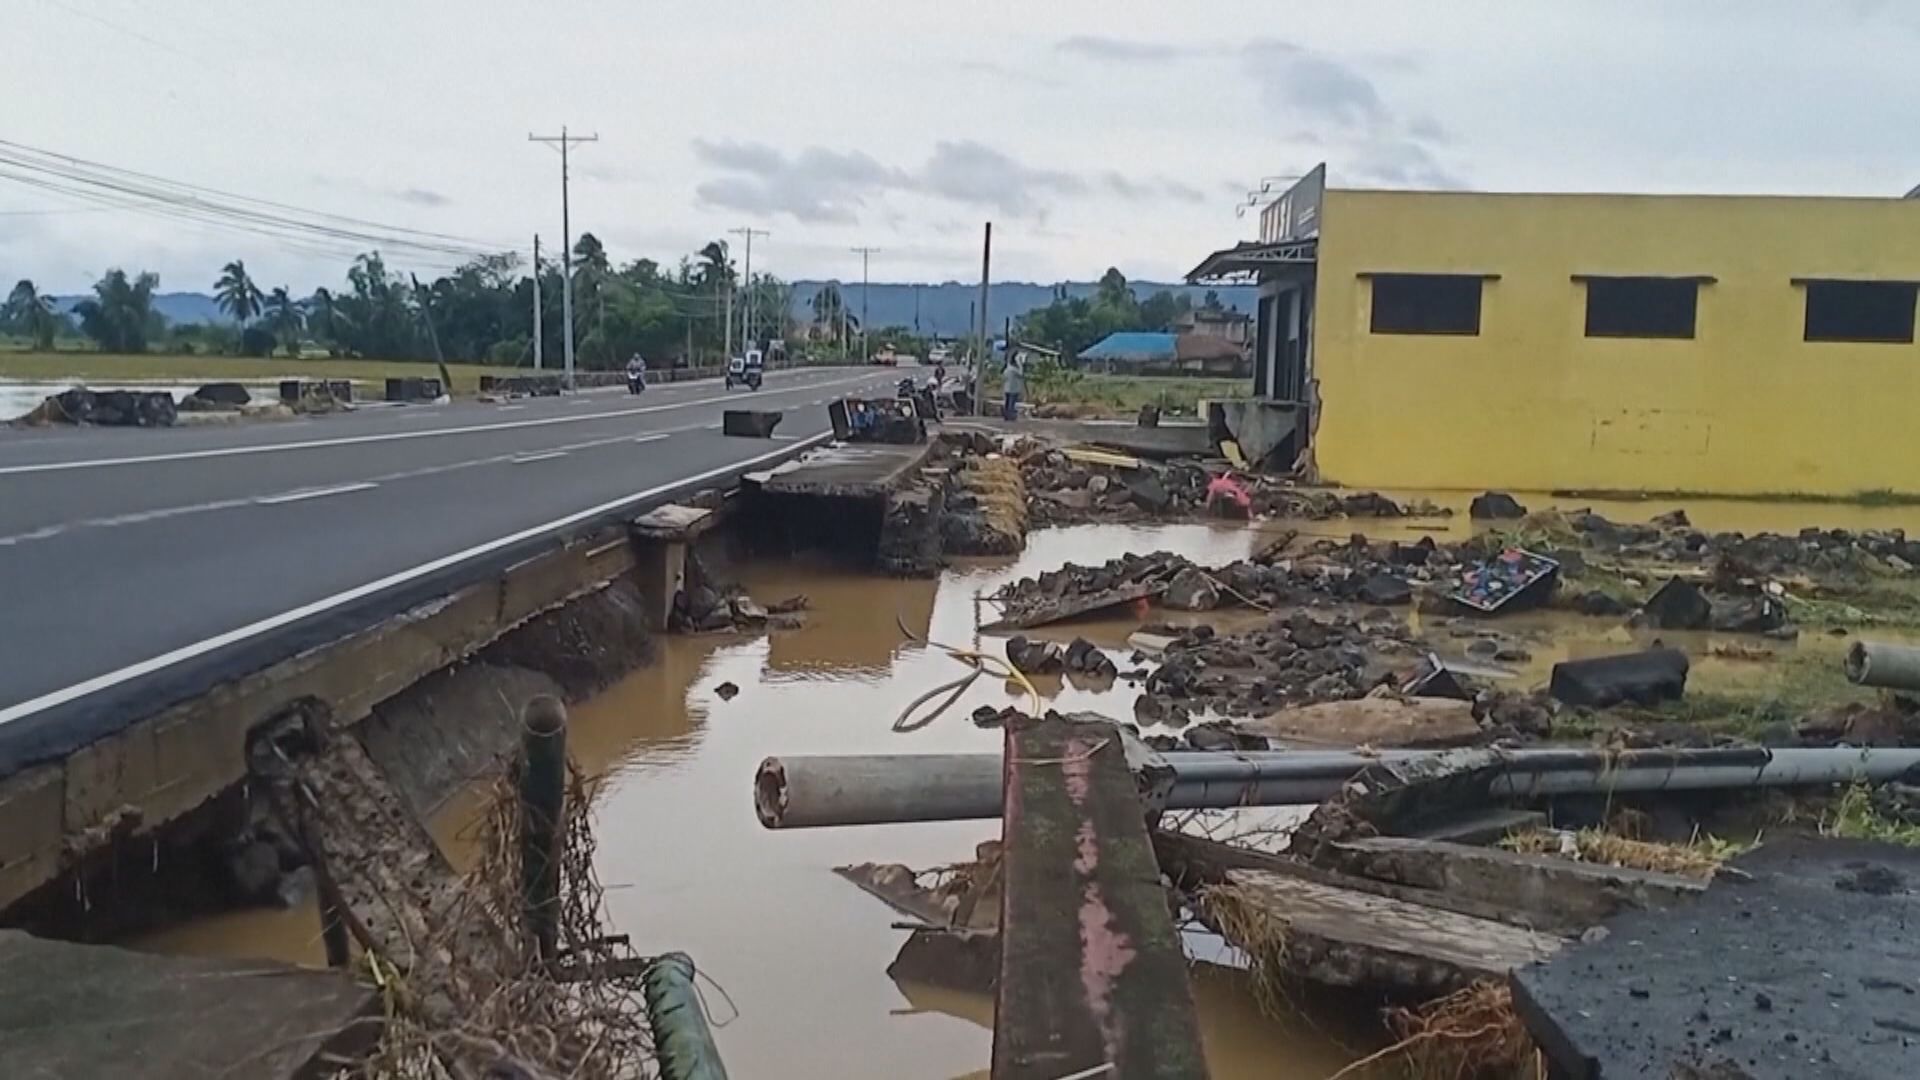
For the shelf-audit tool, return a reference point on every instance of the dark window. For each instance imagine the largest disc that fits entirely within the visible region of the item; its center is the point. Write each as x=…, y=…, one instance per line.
x=1642, y=307
x=1860, y=311
x=1426, y=303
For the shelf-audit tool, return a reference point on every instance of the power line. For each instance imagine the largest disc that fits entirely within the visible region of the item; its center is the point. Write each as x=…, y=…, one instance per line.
x=565, y=141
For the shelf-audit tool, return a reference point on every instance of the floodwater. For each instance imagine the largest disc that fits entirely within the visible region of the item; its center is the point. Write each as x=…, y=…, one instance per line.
x=801, y=953
x=18, y=398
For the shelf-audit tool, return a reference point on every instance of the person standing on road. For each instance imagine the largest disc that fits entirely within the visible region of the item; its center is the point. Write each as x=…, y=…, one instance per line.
x=1014, y=383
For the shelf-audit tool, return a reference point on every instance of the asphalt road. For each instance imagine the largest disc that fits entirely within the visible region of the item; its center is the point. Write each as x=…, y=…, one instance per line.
x=126, y=553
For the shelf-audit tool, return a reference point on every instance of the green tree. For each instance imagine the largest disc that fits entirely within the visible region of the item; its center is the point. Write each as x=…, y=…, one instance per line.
x=32, y=313
x=1162, y=309
x=120, y=316
x=285, y=319
x=377, y=311
x=236, y=293
x=324, y=317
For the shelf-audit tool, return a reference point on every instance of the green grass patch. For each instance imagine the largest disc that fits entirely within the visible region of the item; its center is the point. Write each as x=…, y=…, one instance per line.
x=1854, y=817
x=106, y=367
x=1123, y=395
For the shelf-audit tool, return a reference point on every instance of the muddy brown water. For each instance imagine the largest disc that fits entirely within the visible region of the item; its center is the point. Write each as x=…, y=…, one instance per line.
x=802, y=953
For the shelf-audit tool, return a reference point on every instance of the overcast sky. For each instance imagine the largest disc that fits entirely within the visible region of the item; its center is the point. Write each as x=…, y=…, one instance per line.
x=1091, y=134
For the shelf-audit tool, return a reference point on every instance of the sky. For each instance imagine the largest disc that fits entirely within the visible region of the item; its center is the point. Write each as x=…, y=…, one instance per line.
x=1117, y=133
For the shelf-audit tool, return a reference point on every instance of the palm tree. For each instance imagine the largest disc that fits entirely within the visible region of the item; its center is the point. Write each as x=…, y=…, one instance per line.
x=120, y=313
x=285, y=319
x=325, y=318
x=32, y=311
x=236, y=293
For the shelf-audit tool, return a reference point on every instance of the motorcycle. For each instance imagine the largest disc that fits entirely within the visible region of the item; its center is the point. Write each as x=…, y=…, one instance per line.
x=636, y=381
x=744, y=371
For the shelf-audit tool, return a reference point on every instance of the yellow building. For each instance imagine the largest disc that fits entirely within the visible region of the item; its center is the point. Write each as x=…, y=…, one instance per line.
x=1725, y=344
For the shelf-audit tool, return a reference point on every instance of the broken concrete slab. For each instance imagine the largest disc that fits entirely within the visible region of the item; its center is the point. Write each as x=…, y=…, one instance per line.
x=1643, y=678
x=70, y=1010
x=1794, y=973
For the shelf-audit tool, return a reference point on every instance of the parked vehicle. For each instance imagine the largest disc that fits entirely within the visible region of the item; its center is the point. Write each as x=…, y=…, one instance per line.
x=746, y=370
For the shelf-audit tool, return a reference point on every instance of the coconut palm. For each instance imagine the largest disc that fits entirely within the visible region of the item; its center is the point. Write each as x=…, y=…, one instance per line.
x=33, y=313
x=285, y=319
x=236, y=293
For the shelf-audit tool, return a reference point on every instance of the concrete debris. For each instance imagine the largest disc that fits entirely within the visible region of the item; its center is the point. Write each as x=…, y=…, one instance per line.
x=1642, y=678
x=1035, y=657
x=105, y=408
x=1191, y=590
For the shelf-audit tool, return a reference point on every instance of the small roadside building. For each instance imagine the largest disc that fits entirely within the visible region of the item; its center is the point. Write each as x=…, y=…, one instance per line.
x=1628, y=343
x=1144, y=353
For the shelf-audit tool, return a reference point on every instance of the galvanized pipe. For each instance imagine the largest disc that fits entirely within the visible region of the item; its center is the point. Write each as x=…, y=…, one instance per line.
x=804, y=792
x=1877, y=663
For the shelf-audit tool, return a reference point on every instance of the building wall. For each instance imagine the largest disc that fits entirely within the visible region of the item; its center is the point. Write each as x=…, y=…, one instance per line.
x=1530, y=403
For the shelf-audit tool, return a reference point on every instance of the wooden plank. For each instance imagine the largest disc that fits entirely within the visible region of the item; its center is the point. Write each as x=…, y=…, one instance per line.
x=1092, y=978
x=1344, y=938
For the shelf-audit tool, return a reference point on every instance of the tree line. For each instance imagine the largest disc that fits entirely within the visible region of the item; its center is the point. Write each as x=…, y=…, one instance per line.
x=481, y=312
x=1070, y=324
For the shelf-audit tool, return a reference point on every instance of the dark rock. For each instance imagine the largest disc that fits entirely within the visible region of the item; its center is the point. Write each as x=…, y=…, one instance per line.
x=1678, y=605
x=1149, y=494
x=1149, y=416
x=1512, y=654
x=1672, y=519
x=1308, y=634
x=987, y=716
x=1085, y=657
x=1191, y=590
x=1370, y=504
x=1495, y=506
x=1483, y=647
x=231, y=394
x=1757, y=614
x=726, y=691
x=1595, y=602
x=1386, y=590
x=1221, y=735
x=1872, y=879
x=1034, y=657
x=797, y=602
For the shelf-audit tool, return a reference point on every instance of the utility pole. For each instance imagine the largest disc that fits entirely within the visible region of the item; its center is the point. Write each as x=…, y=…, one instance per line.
x=842, y=305
x=864, y=253
x=564, y=141
x=746, y=308
x=980, y=356
x=539, y=335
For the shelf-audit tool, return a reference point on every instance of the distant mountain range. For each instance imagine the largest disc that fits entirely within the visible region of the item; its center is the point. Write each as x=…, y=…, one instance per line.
x=944, y=309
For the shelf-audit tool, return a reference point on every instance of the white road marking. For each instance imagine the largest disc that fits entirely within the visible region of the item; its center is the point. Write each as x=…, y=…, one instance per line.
x=528, y=458
x=711, y=427
x=355, y=440
x=358, y=592
x=581, y=401
x=312, y=493
x=510, y=408
x=653, y=438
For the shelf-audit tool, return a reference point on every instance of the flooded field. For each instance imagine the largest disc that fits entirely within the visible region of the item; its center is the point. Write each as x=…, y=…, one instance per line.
x=801, y=953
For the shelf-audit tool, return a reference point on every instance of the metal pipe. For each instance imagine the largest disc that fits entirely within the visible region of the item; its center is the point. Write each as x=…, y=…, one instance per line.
x=543, y=800
x=1878, y=663
x=682, y=1041
x=804, y=792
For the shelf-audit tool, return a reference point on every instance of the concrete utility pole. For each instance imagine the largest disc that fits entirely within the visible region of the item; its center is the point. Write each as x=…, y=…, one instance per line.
x=840, y=302
x=864, y=253
x=980, y=356
x=746, y=309
x=564, y=141
x=538, y=334
x=726, y=312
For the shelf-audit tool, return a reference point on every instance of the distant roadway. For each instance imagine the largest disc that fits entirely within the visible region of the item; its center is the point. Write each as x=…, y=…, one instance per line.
x=124, y=554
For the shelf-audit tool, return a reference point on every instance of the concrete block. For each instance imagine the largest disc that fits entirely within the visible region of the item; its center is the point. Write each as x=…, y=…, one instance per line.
x=109, y=774
x=32, y=805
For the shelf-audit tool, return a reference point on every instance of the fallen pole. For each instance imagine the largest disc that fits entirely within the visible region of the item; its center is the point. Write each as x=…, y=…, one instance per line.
x=682, y=1041
x=810, y=792
x=1878, y=663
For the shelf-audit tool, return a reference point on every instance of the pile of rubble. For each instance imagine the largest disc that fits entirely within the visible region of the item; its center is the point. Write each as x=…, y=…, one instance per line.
x=1069, y=488
x=705, y=604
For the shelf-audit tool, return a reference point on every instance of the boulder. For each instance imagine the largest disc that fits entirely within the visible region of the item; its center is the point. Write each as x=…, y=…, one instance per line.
x=230, y=394
x=1191, y=590
x=747, y=611
x=1758, y=614
x=1385, y=590
x=1672, y=519
x=1034, y=657
x=1678, y=605
x=1495, y=506
x=1595, y=602
x=1149, y=494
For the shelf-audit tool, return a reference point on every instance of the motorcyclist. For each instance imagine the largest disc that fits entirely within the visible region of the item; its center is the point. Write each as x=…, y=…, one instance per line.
x=636, y=374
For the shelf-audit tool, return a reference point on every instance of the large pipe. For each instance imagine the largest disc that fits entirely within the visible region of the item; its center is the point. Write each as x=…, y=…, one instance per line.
x=682, y=1041
x=806, y=792
x=1877, y=663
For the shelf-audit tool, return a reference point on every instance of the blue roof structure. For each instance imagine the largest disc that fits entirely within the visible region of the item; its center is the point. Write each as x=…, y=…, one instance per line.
x=1133, y=346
